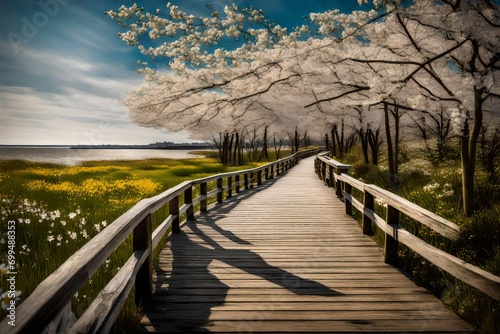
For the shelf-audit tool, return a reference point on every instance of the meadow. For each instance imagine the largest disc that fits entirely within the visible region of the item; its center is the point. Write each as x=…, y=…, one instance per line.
x=57, y=209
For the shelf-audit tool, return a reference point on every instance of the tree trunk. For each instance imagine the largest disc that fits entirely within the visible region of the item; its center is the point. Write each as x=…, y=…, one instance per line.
x=469, y=150
x=334, y=143
x=375, y=142
x=390, y=152
x=342, y=139
x=230, y=149
x=277, y=147
x=264, y=149
x=397, y=117
x=236, y=150
x=364, y=144
x=467, y=177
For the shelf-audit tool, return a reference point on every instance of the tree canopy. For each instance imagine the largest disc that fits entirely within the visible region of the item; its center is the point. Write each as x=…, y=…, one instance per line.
x=421, y=55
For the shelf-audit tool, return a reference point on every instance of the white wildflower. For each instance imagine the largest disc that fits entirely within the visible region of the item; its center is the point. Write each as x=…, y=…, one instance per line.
x=431, y=187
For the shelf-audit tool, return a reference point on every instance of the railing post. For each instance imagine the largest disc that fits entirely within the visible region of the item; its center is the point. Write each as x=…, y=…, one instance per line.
x=391, y=244
x=188, y=199
x=259, y=177
x=266, y=173
x=278, y=166
x=237, y=181
x=203, y=192
x=348, y=203
x=174, y=211
x=245, y=181
x=272, y=172
x=144, y=279
x=338, y=189
x=332, y=178
x=250, y=183
x=369, y=203
x=220, y=194
x=229, y=186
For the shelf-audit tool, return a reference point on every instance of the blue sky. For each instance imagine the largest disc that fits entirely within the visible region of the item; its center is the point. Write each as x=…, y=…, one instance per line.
x=63, y=68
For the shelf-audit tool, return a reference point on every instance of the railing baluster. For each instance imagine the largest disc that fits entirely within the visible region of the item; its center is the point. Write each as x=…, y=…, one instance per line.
x=323, y=169
x=220, y=194
x=338, y=187
x=245, y=181
x=272, y=172
x=141, y=240
x=332, y=178
x=188, y=199
x=174, y=211
x=237, y=181
x=259, y=177
x=203, y=192
x=229, y=186
x=348, y=204
x=391, y=244
x=369, y=203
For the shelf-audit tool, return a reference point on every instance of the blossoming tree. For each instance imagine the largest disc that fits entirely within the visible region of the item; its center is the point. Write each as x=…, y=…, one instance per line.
x=414, y=55
x=424, y=56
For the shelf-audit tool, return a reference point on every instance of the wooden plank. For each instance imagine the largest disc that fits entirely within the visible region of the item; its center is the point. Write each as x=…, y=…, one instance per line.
x=293, y=306
x=263, y=325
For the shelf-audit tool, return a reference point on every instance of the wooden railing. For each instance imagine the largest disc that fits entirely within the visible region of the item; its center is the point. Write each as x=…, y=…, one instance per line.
x=335, y=175
x=49, y=306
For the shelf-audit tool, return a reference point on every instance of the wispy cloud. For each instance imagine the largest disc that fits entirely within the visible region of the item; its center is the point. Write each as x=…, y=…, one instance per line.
x=78, y=105
x=61, y=84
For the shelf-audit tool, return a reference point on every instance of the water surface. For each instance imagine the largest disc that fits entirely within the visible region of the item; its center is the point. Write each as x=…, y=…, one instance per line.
x=67, y=156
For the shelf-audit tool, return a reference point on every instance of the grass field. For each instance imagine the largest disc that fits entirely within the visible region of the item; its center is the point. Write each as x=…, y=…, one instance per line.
x=56, y=209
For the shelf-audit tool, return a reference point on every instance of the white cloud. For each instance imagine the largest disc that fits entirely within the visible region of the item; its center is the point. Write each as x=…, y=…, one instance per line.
x=71, y=101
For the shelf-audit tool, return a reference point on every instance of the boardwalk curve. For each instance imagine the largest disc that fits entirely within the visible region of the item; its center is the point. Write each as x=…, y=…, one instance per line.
x=285, y=258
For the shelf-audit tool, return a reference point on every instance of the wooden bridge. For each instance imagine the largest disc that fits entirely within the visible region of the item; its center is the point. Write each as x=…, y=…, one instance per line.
x=285, y=256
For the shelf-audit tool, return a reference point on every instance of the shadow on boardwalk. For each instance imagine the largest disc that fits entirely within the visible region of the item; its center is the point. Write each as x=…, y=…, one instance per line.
x=187, y=292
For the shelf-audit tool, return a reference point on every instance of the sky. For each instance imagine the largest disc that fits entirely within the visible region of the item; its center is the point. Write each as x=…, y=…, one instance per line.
x=63, y=68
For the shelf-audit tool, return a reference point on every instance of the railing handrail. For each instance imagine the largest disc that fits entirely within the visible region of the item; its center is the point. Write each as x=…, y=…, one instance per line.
x=394, y=232
x=250, y=170
x=53, y=294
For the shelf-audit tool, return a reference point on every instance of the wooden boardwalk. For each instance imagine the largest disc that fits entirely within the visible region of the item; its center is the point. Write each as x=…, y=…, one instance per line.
x=285, y=258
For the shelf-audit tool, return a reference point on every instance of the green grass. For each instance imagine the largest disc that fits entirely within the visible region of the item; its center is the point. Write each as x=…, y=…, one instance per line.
x=438, y=189
x=57, y=209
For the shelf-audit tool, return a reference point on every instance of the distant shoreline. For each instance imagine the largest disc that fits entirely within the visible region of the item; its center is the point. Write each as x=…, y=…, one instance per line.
x=179, y=147
x=115, y=147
